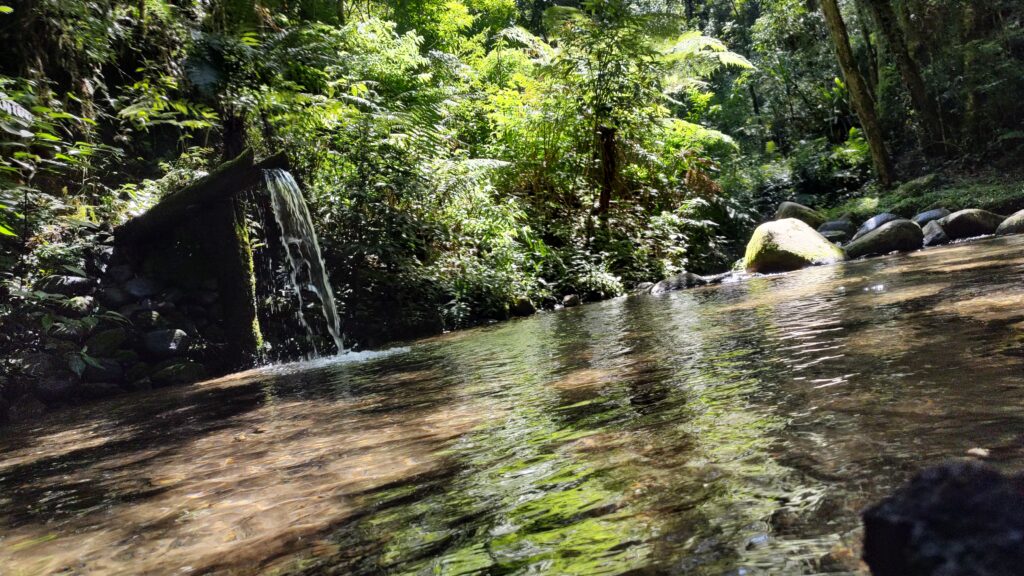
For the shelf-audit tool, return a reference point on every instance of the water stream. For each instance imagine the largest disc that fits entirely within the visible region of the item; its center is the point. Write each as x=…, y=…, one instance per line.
x=736, y=429
x=303, y=249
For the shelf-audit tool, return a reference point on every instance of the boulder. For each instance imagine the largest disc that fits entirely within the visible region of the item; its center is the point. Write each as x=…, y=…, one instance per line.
x=788, y=244
x=895, y=236
x=1012, y=225
x=959, y=519
x=25, y=408
x=66, y=285
x=970, y=223
x=934, y=235
x=103, y=370
x=120, y=273
x=142, y=287
x=523, y=307
x=178, y=372
x=680, y=281
x=570, y=300
x=106, y=342
x=56, y=388
x=114, y=297
x=165, y=343
x=808, y=216
x=838, y=230
x=924, y=218
x=643, y=288
x=875, y=223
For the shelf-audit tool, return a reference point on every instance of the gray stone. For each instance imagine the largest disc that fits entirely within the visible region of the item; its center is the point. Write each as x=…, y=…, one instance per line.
x=523, y=307
x=680, y=281
x=838, y=230
x=808, y=216
x=970, y=223
x=789, y=244
x=924, y=218
x=934, y=235
x=1012, y=225
x=875, y=223
x=166, y=343
x=570, y=300
x=895, y=236
x=142, y=287
x=106, y=342
x=66, y=285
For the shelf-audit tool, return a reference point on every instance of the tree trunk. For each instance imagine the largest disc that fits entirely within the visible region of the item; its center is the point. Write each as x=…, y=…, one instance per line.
x=926, y=108
x=609, y=168
x=858, y=91
x=873, y=68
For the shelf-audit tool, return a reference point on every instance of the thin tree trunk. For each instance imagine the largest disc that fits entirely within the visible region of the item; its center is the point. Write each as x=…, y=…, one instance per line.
x=609, y=168
x=926, y=108
x=873, y=69
x=858, y=91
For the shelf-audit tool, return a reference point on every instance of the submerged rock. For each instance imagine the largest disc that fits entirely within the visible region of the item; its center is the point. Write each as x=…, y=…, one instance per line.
x=1012, y=225
x=895, y=236
x=571, y=300
x=838, y=230
x=789, y=244
x=680, y=281
x=924, y=218
x=808, y=216
x=875, y=223
x=958, y=519
x=970, y=223
x=934, y=235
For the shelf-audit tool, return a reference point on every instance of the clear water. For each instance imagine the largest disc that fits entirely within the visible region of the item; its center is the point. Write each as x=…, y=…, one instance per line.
x=300, y=243
x=730, y=430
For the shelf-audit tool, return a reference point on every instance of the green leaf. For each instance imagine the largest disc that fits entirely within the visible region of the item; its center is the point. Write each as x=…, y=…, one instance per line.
x=6, y=9
x=47, y=136
x=5, y=231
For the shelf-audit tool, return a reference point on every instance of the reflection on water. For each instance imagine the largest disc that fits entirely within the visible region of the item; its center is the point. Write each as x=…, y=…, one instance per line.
x=728, y=430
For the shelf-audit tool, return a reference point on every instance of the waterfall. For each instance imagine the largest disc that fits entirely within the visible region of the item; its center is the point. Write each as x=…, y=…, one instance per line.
x=303, y=249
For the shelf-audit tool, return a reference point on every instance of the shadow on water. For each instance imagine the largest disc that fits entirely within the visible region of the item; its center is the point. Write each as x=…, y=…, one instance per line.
x=729, y=430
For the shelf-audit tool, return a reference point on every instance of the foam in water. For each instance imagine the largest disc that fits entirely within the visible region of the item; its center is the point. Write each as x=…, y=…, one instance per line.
x=303, y=249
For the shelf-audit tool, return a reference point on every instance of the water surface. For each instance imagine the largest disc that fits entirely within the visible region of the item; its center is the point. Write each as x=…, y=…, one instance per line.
x=729, y=430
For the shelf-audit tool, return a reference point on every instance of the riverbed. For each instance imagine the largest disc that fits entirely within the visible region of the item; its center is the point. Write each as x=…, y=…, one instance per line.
x=736, y=429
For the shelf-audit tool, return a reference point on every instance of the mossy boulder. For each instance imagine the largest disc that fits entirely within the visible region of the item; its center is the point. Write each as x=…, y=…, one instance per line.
x=1012, y=225
x=788, y=244
x=809, y=216
x=523, y=307
x=895, y=236
x=106, y=342
x=970, y=223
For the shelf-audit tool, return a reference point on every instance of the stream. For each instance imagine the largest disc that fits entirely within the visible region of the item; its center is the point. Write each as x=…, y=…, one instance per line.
x=737, y=429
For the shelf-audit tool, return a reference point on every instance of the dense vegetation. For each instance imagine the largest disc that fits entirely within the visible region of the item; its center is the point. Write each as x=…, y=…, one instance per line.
x=460, y=154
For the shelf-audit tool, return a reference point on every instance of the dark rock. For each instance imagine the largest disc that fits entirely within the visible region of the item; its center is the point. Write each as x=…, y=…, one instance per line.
x=680, y=281
x=38, y=365
x=924, y=218
x=875, y=223
x=172, y=295
x=570, y=300
x=56, y=388
x=523, y=307
x=808, y=216
x=25, y=408
x=103, y=370
x=958, y=519
x=138, y=371
x=895, y=236
x=205, y=297
x=99, y=390
x=120, y=273
x=643, y=288
x=142, y=287
x=146, y=319
x=1012, y=225
x=718, y=278
x=789, y=244
x=67, y=285
x=165, y=343
x=114, y=297
x=126, y=357
x=838, y=230
x=970, y=223
x=179, y=372
x=4, y=408
x=106, y=342
x=934, y=235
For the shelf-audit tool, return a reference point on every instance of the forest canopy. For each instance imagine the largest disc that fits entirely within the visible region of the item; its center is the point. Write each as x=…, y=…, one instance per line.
x=458, y=155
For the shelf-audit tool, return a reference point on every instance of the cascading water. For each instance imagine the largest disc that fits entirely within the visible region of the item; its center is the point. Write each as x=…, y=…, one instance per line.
x=303, y=249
